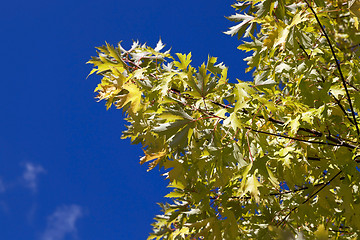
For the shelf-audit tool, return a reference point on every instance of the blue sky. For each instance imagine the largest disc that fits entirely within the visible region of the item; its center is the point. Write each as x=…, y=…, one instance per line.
x=65, y=173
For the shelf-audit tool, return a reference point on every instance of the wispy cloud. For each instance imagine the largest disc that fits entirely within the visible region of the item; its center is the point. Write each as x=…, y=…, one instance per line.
x=62, y=223
x=30, y=175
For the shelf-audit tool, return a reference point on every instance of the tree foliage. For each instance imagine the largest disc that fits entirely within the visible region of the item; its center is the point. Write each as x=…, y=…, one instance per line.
x=273, y=158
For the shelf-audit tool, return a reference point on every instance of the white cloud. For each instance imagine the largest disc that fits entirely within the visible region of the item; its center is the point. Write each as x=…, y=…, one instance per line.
x=30, y=175
x=62, y=222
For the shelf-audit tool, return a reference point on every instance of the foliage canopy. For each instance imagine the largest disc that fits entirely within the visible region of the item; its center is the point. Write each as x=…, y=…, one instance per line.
x=273, y=158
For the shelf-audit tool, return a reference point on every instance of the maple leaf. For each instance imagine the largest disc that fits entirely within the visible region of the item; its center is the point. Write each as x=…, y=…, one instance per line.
x=252, y=185
x=354, y=7
x=245, y=156
x=240, y=28
x=130, y=97
x=155, y=157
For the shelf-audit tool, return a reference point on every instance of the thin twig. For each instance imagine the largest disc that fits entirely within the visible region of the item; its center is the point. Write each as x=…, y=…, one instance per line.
x=338, y=66
x=296, y=139
x=338, y=141
x=323, y=80
x=272, y=194
x=342, y=108
x=309, y=198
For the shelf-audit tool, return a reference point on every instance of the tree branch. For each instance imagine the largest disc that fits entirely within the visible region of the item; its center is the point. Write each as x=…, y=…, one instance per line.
x=309, y=198
x=273, y=194
x=338, y=66
x=323, y=79
x=338, y=141
x=342, y=108
x=296, y=139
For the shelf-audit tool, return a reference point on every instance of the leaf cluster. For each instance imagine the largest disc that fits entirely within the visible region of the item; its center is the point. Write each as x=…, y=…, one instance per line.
x=273, y=158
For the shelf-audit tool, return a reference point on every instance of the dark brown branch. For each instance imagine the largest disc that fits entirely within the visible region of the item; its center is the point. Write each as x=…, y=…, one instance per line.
x=352, y=46
x=336, y=75
x=356, y=89
x=338, y=231
x=337, y=141
x=303, y=49
x=309, y=198
x=323, y=80
x=220, y=104
x=342, y=108
x=314, y=158
x=273, y=194
x=338, y=66
x=292, y=138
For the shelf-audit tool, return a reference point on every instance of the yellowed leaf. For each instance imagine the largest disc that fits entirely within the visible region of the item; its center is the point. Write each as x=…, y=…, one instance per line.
x=321, y=233
x=174, y=194
x=354, y=7
x=252, y=185
x=151, y=156
x=133, y=97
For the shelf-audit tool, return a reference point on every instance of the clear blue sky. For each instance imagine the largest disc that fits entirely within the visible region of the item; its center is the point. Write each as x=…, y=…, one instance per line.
x=65, y=173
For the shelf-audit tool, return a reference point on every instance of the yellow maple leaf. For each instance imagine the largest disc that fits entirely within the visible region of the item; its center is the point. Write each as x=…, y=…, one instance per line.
x=321, y=233
x=152, y=156
x=252, y=185
x=354, y=7
x=132, y=97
